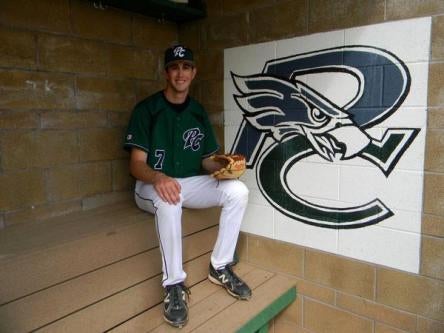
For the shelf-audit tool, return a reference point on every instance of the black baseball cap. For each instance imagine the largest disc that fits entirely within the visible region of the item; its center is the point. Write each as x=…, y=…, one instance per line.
x=178, y=53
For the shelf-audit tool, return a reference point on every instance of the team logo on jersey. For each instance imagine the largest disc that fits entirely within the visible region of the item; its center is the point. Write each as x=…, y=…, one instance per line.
x=179, y=51
x=192, y=138
x=302, y=122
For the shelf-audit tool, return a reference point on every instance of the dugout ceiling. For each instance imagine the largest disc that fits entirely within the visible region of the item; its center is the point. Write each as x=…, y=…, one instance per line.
x=161, y=9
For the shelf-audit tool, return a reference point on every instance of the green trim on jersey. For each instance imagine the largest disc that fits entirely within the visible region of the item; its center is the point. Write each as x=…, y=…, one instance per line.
x=176, y=142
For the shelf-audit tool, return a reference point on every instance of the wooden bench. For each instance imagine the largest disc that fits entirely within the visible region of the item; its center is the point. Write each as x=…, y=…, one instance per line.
x=100, y=271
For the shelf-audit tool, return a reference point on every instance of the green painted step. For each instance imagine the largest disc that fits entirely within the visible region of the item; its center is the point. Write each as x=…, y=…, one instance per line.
x=260, y=322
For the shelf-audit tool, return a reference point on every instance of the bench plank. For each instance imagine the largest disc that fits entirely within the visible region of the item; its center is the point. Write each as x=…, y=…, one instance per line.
x=100, y=271
x=54, y=303
x=233, y=318
x=152, y=318
x=205, y=310
x=119, y=234
x=113, y=310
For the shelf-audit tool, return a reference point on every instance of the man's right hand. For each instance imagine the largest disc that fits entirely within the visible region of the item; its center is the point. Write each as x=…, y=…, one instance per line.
x=167, y=188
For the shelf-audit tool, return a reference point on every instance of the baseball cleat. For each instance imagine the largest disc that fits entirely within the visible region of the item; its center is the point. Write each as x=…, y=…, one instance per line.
x=232, y=283
x=175, y=311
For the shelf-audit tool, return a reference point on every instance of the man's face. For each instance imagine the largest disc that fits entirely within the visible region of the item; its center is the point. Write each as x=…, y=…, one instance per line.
x=179, y=76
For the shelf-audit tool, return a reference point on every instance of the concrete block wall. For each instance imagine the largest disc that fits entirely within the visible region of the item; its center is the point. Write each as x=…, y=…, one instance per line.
x=337, y=293
x=70, y=74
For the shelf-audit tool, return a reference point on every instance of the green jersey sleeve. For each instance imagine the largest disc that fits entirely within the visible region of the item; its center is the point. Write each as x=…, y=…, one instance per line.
x=137, y=134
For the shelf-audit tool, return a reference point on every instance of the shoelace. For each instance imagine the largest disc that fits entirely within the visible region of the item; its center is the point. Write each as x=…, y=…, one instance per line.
x=176, y=296
x=231, y=276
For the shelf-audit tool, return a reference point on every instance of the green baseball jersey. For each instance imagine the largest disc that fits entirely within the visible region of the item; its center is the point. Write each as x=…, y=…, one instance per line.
x=176, y=142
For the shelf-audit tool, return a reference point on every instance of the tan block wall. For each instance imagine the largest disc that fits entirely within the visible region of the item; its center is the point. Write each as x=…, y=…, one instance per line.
x=337, y=294
x=70, y=75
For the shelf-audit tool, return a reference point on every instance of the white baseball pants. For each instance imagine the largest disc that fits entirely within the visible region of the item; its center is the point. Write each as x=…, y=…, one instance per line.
x=196, y=192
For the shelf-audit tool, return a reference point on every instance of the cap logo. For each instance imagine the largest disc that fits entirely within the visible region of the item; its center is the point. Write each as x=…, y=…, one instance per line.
x=179, y=51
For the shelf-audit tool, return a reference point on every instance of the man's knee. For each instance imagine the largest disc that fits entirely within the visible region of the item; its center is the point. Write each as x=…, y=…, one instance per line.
x=237, y=190
x=164, y=208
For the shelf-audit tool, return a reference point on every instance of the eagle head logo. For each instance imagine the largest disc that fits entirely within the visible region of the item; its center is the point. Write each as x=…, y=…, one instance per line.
x=302, y=121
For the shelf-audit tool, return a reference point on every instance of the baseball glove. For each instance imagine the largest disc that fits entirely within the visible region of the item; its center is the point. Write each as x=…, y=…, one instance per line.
x=233, y=166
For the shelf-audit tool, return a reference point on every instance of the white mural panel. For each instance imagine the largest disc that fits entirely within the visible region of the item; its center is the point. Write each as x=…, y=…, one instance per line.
x=333, y=126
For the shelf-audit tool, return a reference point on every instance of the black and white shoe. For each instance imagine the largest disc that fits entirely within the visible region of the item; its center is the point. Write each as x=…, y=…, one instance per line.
x=232, y=283
x=175, y=311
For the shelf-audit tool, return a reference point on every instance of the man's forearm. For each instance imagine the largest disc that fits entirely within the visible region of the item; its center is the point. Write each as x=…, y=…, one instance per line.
x=142, y=171
x=210, y=165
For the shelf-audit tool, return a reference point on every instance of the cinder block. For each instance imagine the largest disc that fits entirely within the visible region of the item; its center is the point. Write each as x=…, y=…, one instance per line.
x=197, y=89
x=145, y=88
x=213, y=96
x=101, y=144
x=21, y=189
x=435, y=118
x=242, y=247
x=190, y=32
x=110, y=24
x=437, y=38
x=393, y=317
x=106, y=199
x=281, y=326
x=316, y=291
x=128, y=62
x=292, y=313
x=329, y=15
x=210, y=64
x=48, y=15
x=74, y=55
x=275, y=255
x=412, y=8
x=257, y=212
x=432, y=225
x=348, y=275
x=19, y=120
x=122, y=179
x=434, y=194
x=281, y=20
x=229, y=31
x=18, y=48
x=382, y=328
x=30, y=149
x=409, y=292
x=429, y=326
x=151, y=33
x=216, y=118
x=34, y=90
x=118, y=119
x=321, y=318
x=105, y=94
x=73, y=119
x=214, y=8
x=219, y=132
x=79, y=180
x=233, y=6
x=436, y=84
x=434, y=159
x=432, y=257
